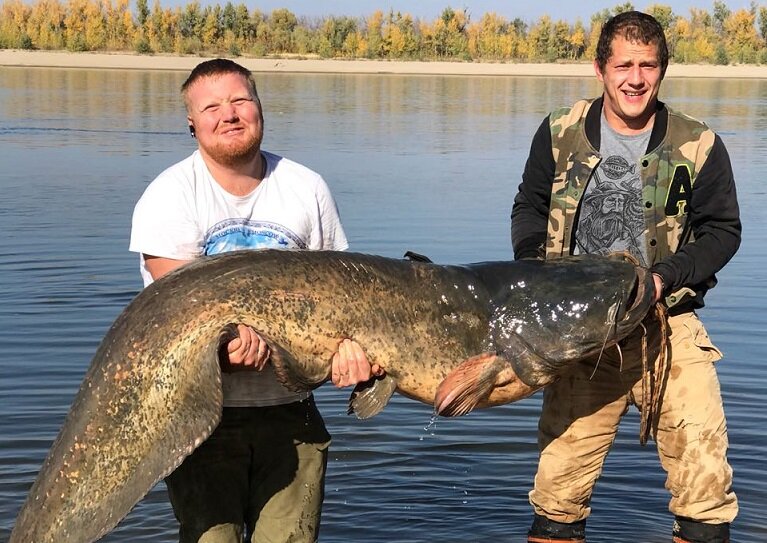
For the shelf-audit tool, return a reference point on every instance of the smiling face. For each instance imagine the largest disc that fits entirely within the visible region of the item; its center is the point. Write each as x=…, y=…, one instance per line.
x=227, y=119
x=631, y=77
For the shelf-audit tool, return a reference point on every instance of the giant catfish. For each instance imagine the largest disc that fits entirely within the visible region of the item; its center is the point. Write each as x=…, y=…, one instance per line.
x=456, y=337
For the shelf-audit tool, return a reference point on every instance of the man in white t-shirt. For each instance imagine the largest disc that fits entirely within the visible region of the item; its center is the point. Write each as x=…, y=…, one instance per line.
x=261, y=473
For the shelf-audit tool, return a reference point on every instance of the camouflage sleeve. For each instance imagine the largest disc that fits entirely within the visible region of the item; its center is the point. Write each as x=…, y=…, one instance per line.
x=530, y=212
x=715, y=222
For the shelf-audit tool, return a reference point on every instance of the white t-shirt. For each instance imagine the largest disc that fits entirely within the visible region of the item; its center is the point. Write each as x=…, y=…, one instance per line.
x=184, y=214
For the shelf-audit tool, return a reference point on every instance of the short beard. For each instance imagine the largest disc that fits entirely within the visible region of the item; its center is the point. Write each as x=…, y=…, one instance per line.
x=236, y=154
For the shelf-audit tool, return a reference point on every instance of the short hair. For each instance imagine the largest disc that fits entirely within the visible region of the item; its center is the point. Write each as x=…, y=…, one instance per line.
x=634, y=26
x=217, y=67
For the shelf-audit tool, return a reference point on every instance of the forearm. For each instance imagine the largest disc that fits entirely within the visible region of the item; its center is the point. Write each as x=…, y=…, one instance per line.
x=159, y=266
x=529, y=215
x=696, y=262
x=528, y=229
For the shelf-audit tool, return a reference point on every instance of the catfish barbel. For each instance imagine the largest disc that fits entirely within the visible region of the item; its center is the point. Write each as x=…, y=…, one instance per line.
x=456, y=337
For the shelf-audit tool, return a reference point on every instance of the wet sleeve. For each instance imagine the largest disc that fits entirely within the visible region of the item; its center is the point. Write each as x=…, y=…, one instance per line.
x=530, y=212
x=715, y=221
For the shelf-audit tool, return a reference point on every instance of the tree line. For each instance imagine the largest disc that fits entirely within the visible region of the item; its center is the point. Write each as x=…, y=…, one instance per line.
x=718, y=36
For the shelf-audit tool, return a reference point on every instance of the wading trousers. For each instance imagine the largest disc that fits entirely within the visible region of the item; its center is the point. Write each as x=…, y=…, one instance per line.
x=582, y=411
x=260, y=477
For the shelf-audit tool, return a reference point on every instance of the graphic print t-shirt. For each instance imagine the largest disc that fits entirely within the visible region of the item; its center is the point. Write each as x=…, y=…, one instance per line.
x=185, y=214
x=611, y=216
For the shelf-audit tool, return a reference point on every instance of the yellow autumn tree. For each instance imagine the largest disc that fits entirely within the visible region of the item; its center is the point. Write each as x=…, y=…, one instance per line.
x=94, y=26
x=46, y=23
x=740, y=37
x=400, y=36
x=74, y=24
x=374, y=37
x=13, y=24
x=578, y=40
x=211, y=29
x=118, y=35
x=489, y=38
x=161, y=28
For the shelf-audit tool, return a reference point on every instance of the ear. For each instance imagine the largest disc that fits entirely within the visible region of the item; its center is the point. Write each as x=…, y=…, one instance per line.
x=598, y=71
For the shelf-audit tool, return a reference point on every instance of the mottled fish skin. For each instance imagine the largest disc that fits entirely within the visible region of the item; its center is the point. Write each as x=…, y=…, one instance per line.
x=153, y=390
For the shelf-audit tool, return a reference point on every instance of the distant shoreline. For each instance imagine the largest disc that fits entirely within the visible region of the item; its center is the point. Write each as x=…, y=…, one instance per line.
x=128, y=61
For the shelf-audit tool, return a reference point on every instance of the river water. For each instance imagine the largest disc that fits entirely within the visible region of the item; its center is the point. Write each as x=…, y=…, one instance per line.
x=422, y=163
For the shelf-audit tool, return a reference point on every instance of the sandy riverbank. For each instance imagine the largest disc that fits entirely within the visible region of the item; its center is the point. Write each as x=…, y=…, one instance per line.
x=62, y=59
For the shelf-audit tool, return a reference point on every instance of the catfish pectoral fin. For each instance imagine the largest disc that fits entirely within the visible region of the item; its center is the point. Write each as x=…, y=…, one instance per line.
x=369, y=398
x=294, y=375
x=470, y=383
x=515, y=389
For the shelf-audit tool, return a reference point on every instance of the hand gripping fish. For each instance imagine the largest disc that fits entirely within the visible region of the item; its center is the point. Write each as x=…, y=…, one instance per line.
x=456, y=337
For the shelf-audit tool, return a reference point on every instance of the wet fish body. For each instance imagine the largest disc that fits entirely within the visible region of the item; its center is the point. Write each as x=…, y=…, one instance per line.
x=457, y=337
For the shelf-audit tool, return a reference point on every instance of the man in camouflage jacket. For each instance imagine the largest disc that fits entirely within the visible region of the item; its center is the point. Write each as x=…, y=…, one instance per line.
x=626, y=173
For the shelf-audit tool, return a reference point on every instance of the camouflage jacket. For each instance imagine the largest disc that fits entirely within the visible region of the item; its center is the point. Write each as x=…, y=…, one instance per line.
x=688, y=196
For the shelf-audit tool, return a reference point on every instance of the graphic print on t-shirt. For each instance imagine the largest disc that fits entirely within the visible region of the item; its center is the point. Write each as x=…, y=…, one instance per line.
x=236, y=234
x=611, y=218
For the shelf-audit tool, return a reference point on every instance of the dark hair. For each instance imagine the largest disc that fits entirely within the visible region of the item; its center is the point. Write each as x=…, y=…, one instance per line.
x=215, y=67
x=634, y=26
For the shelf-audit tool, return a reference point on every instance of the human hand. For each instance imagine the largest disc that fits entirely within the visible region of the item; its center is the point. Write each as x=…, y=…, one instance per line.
x=351, y=365
x=658, y=280
x=247, y=351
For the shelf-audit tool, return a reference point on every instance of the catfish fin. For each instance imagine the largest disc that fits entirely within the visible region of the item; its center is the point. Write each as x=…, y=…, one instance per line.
x=369, y=398
x=194, y=420
x=470, y=383
x=292, y=373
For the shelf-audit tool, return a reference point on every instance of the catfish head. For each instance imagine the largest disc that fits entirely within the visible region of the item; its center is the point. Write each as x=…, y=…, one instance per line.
x=549, y=315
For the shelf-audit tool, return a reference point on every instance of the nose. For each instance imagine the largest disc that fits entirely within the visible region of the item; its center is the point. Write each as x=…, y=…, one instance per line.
x=228, y=112
x=635, y=76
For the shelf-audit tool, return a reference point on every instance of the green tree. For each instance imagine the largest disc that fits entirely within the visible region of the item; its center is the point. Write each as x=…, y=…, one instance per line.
x=142, y=12
x=333, y=35
x=449, y=37
x=623, y=8
x=663, y=14
x=561, y=47
x=212, y=28
x=401, y=36
x=281, y=24
x=763, y=23
x=190, y=25
x=578, y=40
x=539, y=40
x=191, y=20
x=721, y=14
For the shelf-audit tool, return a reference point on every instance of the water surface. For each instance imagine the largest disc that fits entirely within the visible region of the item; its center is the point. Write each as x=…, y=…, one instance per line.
x=422, y=163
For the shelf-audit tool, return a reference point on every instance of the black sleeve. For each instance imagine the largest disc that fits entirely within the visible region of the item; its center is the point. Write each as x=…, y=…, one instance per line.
x=715, y=221
x=529, y=215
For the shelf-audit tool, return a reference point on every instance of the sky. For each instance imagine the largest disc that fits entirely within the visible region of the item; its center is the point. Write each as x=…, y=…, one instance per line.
x=527, y=10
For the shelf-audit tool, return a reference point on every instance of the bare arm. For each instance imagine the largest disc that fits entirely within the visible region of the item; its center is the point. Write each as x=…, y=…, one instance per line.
x=158, y=266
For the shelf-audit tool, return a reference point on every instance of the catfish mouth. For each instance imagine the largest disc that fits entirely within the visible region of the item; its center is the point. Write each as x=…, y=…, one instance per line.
x=638, y=302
